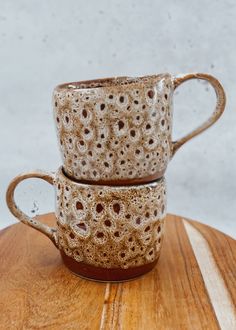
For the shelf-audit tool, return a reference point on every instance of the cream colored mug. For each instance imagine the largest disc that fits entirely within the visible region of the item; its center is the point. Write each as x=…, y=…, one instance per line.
x=119, y=130
x=105, y=233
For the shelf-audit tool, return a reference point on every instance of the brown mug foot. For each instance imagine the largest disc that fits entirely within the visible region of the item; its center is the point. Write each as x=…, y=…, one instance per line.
x=105, y=274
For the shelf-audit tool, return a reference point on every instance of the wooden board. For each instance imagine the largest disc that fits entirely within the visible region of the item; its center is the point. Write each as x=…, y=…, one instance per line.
x=193, y=285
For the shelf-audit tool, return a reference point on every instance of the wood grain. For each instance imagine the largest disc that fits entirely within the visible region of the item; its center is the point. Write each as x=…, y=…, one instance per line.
x=38, y=292
x=217, y=290
x=171, y=296
x=223, y=249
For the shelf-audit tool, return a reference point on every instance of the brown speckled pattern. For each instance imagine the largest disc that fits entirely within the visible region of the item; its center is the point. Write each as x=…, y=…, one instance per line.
x=119, y=129
x=110, y=227
x=115, y=129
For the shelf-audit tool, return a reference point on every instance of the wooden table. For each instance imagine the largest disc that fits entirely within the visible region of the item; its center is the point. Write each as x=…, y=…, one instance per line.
x=192, y=287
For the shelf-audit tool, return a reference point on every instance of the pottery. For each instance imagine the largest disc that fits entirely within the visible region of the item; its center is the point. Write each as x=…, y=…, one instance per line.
x=105, y=233
x=118, y=131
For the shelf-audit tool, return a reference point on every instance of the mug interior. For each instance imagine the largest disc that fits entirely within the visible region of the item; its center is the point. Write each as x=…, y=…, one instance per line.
x=109, y=82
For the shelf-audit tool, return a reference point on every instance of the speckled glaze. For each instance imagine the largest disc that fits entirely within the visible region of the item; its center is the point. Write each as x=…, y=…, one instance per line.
x=106, y=227
x=110, y=227
x=119, y=130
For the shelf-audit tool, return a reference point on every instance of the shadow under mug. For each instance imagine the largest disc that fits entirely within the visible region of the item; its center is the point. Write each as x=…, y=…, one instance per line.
x=118, y=131
x=105, y=233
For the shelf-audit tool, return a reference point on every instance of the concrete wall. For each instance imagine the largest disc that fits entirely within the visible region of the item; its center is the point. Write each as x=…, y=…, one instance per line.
x=43, y=43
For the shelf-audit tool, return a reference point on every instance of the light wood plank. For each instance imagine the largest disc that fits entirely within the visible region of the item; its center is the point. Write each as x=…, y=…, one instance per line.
x=219, y=295
x=223, y=249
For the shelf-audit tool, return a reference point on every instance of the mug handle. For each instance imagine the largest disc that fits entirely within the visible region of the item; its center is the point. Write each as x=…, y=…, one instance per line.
x=20, y=215
x=219, y=109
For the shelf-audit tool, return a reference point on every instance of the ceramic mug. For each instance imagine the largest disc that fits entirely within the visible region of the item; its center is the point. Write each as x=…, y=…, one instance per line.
x=119, y=130
x=105, y=233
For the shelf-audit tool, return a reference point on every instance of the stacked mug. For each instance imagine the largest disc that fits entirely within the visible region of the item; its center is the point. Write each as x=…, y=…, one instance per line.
x=115, y=141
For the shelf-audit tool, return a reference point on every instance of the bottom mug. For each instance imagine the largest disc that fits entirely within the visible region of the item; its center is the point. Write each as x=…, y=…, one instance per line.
x=104, y=233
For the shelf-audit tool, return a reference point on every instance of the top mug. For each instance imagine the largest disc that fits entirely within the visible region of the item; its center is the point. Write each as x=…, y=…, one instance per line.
x=118, y=131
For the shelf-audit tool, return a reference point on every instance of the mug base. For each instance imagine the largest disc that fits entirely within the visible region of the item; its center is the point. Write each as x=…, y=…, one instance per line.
x=119, y=182
x=100, y=274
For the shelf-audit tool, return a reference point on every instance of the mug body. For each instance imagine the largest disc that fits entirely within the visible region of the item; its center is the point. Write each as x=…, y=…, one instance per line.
x=115, y=130
x=109, y=233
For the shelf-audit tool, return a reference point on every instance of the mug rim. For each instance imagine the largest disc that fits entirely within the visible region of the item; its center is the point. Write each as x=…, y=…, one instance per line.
x=61, y=172
x=109, y=82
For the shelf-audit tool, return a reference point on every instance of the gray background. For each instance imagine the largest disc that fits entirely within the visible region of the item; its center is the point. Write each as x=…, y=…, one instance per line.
x=43, y=43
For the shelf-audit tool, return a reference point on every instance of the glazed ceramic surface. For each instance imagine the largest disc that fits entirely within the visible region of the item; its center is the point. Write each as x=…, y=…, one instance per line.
x=106, y=227
x=119, y=130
